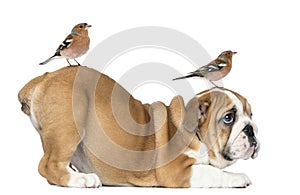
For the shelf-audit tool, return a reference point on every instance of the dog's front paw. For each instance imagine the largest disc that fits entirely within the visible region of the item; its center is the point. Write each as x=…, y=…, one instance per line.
x=238, y=180
x=82, y=180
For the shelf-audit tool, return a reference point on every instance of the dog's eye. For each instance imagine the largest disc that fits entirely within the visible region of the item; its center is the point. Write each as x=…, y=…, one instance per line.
x=228, y=119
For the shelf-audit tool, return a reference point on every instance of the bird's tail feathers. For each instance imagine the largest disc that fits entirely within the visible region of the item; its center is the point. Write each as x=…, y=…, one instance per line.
x=187, y=76
x=48, y=60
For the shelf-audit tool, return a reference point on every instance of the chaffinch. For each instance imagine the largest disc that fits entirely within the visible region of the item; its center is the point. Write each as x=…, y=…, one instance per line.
x=75, y=44
x=215, y=70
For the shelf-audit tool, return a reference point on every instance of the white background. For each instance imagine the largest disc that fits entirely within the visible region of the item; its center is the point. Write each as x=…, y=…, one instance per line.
x=266, y=35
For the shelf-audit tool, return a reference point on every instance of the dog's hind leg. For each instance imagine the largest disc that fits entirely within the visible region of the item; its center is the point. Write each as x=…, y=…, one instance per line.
x=59, y=146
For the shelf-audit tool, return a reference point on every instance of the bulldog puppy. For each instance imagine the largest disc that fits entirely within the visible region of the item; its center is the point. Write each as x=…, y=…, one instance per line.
x=94, y=132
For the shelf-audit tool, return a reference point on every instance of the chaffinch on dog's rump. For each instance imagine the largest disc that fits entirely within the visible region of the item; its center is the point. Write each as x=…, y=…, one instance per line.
x=215, y=70
x=75, y=44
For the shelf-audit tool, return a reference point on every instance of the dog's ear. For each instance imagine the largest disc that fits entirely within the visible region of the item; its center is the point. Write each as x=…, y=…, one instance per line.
x=191, y=116
x=203, y=108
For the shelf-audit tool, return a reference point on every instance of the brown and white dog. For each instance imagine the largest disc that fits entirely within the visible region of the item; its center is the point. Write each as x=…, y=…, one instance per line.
x=94, y=132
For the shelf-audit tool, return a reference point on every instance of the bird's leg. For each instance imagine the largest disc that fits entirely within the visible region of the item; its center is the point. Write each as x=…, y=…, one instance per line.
x=214, y=84
x=77, y=62
x=68, y=62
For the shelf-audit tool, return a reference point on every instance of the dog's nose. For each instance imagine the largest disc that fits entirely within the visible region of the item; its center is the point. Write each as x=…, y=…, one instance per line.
x=248, y=130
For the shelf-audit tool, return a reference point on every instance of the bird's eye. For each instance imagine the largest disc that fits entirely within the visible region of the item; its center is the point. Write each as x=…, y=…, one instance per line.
x=228, y=119
x=81, y=26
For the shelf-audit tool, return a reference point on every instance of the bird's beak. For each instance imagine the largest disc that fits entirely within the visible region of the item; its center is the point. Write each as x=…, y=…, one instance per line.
x=88, y=26
x=234, y=52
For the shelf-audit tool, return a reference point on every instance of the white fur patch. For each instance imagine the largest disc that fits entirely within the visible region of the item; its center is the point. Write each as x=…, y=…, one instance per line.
x=32, y=115
x=201, y=155
x=240, y=148
x=34, y=120
x=83, y=180
x=206, y=176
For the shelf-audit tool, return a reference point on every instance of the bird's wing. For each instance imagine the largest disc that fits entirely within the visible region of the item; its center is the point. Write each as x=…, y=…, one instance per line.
x=65, y=44
x=211, y=68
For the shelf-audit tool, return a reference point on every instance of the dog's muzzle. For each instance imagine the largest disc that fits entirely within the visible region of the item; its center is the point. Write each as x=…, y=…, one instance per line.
x=248, y=130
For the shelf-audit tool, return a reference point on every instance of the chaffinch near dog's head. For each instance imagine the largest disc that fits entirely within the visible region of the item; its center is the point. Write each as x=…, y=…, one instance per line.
x=226, y=55
x=81, y=29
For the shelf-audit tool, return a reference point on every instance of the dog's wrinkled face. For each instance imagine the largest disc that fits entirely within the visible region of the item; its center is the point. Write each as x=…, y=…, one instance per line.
x=226, y=127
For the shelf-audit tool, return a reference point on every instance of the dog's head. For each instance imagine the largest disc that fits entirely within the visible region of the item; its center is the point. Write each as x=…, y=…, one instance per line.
x=226, y=127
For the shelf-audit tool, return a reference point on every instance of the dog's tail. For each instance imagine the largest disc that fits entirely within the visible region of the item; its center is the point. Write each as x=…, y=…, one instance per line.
x=25, y=94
